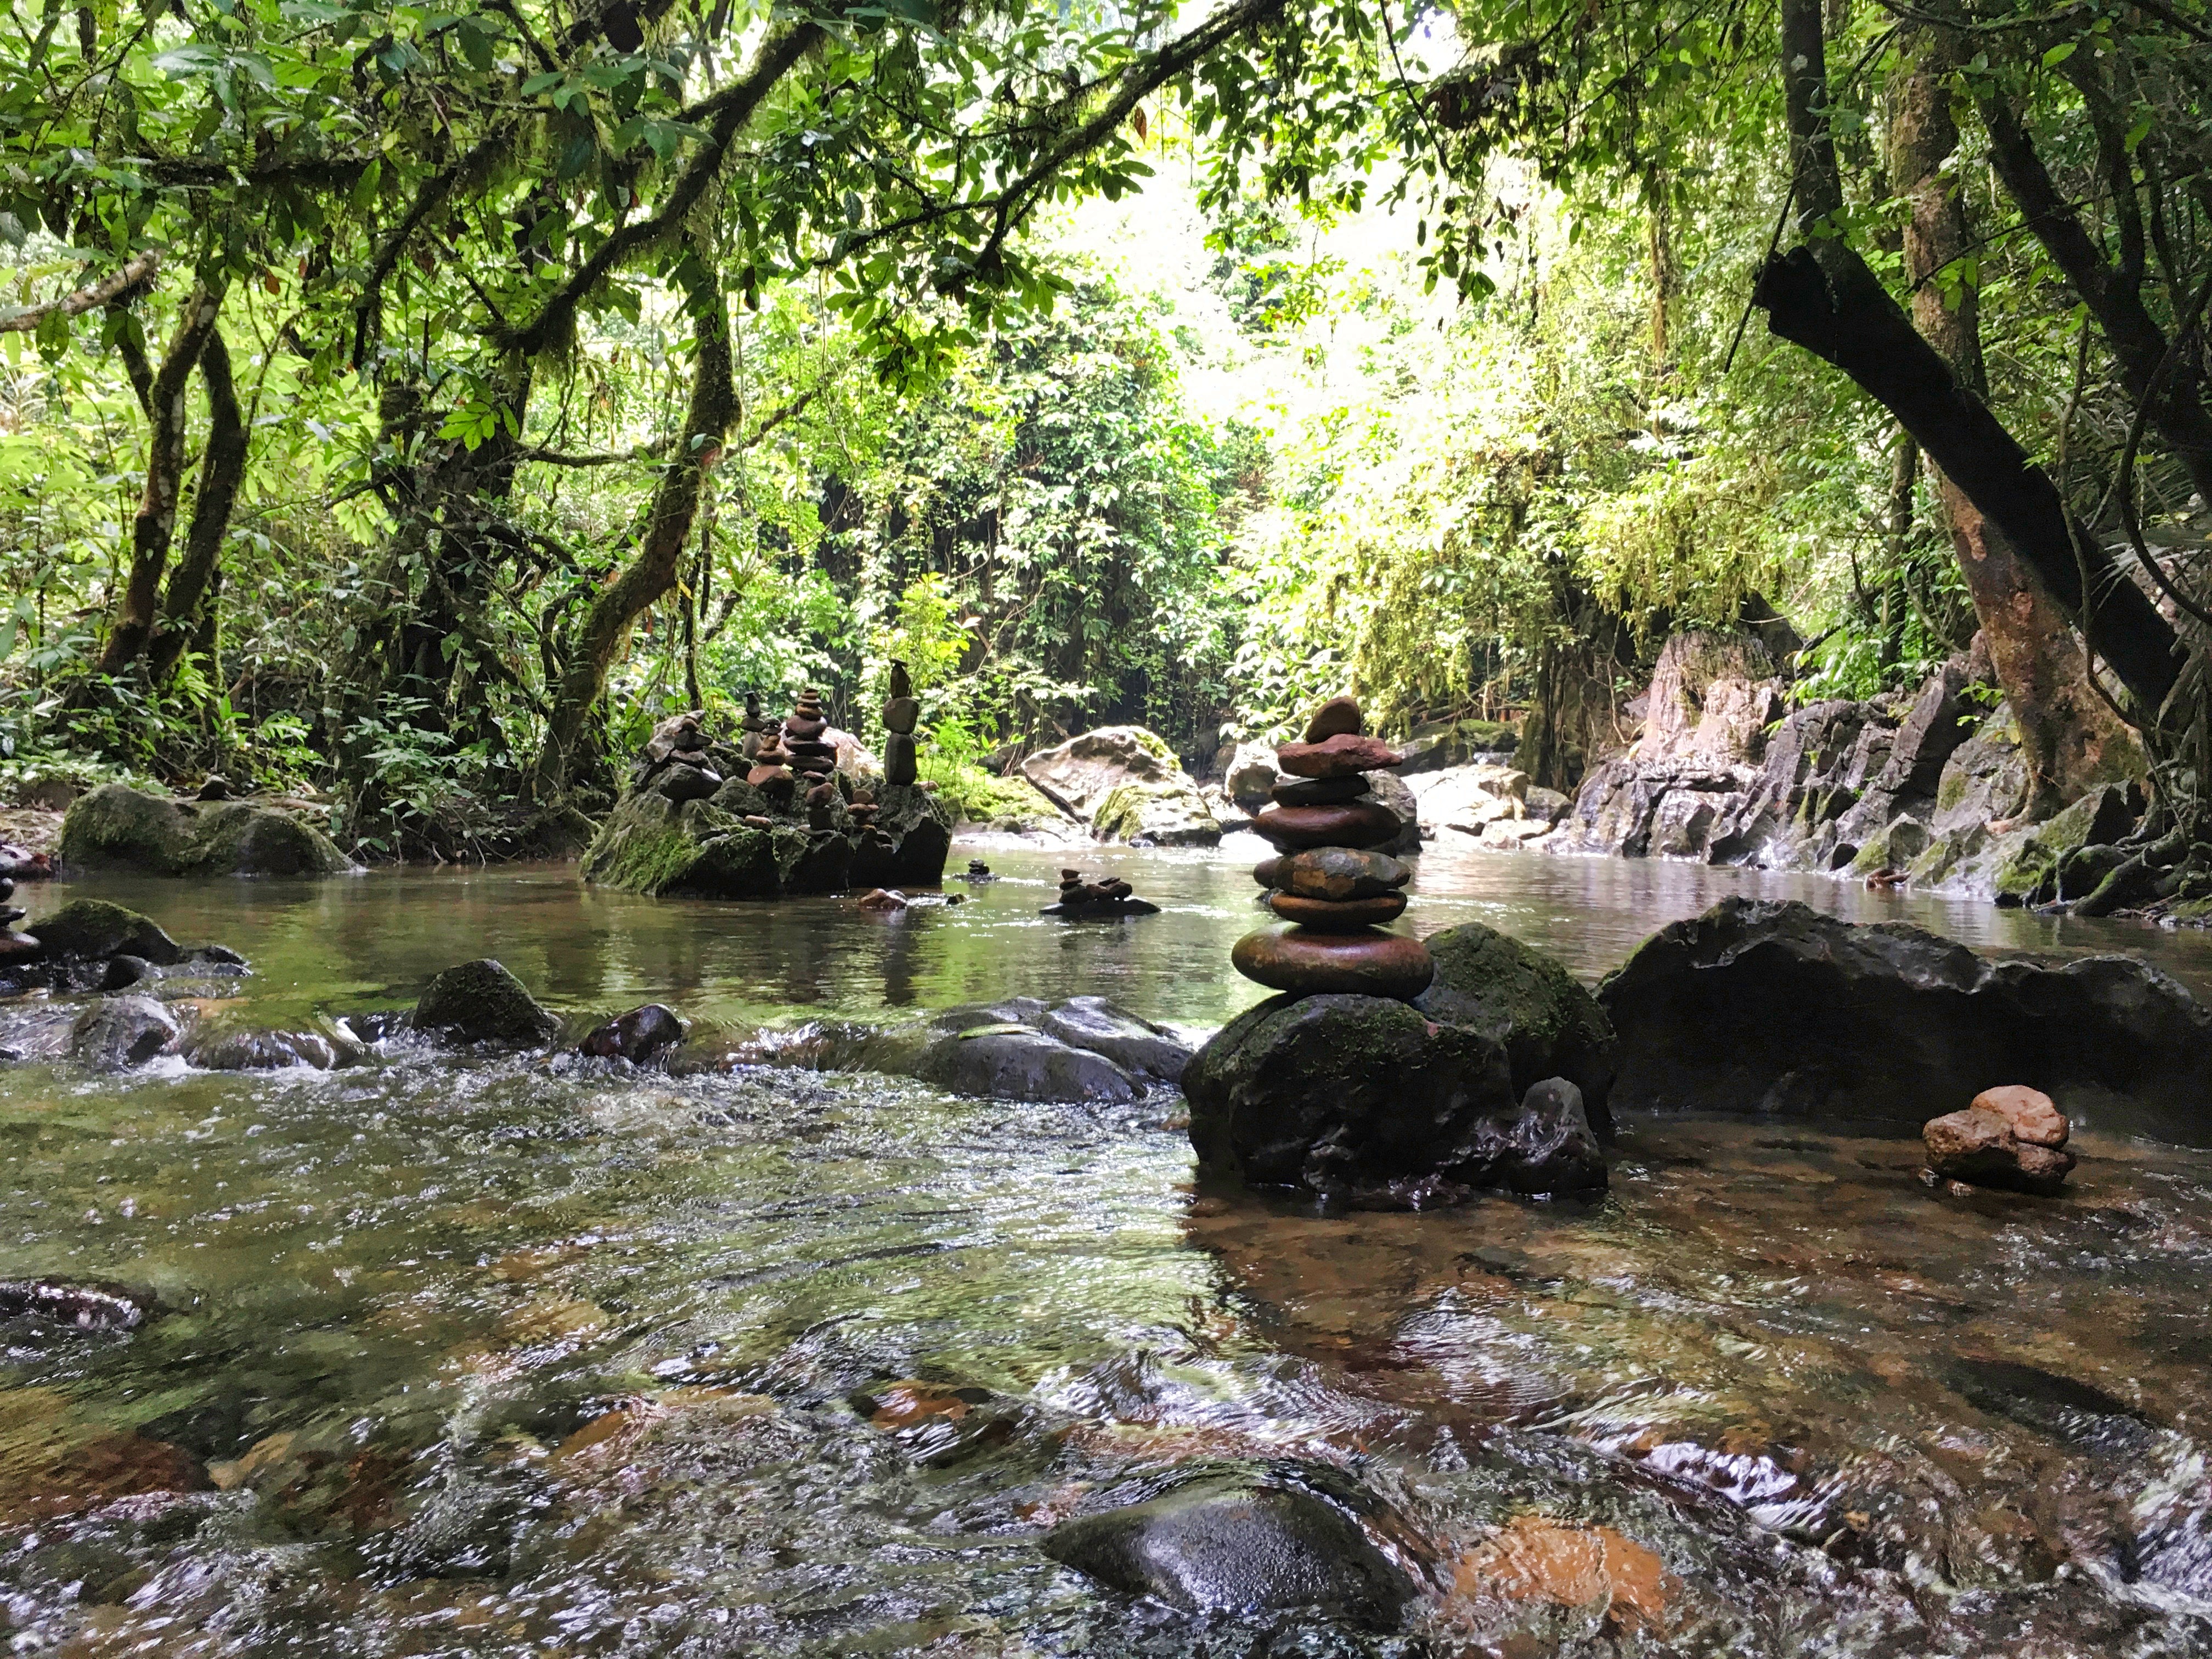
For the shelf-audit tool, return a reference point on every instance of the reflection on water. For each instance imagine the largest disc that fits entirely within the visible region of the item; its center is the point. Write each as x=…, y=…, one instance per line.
x=489, y=1357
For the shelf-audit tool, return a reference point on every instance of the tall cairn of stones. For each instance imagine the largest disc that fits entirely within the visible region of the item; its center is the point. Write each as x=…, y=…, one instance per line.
x=901, y=711
x=1327, y=883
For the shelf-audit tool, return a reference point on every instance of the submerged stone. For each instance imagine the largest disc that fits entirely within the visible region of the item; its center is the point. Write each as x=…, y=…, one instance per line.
x=1278, y=1539
x=118, y=1033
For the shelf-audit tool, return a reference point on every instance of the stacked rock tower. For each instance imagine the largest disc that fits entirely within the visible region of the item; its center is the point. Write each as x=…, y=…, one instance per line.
x=901, y=711
x=1327, y=883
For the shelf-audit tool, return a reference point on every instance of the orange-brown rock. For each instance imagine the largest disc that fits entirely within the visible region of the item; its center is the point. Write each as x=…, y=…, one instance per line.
x=1337, y=717
x=1338, y=757
x=1980, y=1148
x=1368, y=963
x=1534, y=1559
x=1338, y=915
x=1354, y=823
x=2033, y=1118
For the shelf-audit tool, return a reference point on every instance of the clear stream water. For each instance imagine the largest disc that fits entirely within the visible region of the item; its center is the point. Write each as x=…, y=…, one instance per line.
x=477, y=1356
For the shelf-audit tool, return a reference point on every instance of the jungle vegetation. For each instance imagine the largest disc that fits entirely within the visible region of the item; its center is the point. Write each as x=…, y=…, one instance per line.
x=409, y=404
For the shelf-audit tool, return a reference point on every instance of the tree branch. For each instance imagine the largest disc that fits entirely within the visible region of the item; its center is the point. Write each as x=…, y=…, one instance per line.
x=109, y=290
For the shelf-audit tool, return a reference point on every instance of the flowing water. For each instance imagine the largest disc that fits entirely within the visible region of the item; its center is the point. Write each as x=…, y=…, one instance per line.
x=466, y=1355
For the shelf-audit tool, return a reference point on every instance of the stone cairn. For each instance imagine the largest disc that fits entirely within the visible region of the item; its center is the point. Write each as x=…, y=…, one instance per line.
x=679, y=762
x=1088, y=900
x=1326, y=882
x=901, y=711
x=14, y=945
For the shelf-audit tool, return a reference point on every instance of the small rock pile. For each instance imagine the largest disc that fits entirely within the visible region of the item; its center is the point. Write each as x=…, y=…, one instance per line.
x=901, y=711
x=803, y=730
x=680, y=762
x=2012, y=1137
x=13, y=946
x=1109, y=895
x=1332, y=890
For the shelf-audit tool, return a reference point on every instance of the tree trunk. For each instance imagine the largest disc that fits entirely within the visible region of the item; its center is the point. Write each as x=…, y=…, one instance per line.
x=1821, y=296
x=222, y=470
x=599, y=636
x=155, y=526
x=2172, y=405
x=2069, y=738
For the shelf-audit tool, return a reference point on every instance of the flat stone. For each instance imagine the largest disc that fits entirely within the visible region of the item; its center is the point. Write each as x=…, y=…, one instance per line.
x=900, y=714
x=1338, y=915
x=1372, y=964
x=1334, y=872
x=680, y=783
x=1318, y=791
x=1356, y=824
x=2033, y=1118
x=1338, y=757
x=761, y=776
x=1337, y=717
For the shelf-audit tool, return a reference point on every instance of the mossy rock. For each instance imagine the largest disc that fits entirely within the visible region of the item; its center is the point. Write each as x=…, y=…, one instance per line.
x=651, y=845
x=93, y=929
x=1166, y=813
x=118, y=827
x=481, y=1002
x=1529, y=1004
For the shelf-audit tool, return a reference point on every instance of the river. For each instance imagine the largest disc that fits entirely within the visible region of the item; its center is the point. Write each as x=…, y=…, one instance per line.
x=493, y=1355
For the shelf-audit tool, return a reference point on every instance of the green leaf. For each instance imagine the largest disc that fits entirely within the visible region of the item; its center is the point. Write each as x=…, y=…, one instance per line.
x=2059, y=53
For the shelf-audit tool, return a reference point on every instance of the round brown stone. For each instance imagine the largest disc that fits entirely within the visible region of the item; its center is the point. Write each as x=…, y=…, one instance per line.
x=1318, y=791
x=1337, y=873
x=900, y=714
x=1361, y=824
x=1335, y=718
x=761, y=776
x=1267, y=871
x=1370, y=963
x=1337, y=757
x=1338, y=915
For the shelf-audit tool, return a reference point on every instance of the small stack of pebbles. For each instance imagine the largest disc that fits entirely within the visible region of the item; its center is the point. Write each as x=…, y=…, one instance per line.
x=1327, y=883
x=1091, y=900
x=803, y=729
x=901, y=711
x=772, y=773
x=752, y=725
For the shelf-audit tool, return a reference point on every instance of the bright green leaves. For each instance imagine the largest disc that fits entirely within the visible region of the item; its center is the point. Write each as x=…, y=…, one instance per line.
x=475, y=420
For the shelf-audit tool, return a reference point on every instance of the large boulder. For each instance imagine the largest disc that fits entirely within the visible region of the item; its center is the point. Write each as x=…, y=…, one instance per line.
x=93, y=930
x=1436, y=745
x=481, y=1002
x=1683, y=719
x=739, y=844
x=1529, y=1004
x=1126, y=785
x=118, y=828
x=1251, y=773
x=1274, y=1537
x=1766, y=1007
x=1367, y=1100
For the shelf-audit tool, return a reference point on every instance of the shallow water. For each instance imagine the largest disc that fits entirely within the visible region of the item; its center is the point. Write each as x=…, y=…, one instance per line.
x=488, y=1356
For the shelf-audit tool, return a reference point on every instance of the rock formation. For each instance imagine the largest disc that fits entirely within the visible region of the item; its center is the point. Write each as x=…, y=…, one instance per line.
x=2011, y=1136
x=1102, y=899
x=901, y=712
x=1494, y=1079
x=1123, y=783
x=117, y=828
x=771, y=814
x=1332, y=892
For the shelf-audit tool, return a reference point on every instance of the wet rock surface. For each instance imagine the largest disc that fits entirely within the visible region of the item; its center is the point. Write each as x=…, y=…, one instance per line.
x=1526, y=1002
x=481, y=1002
x=1125, y=784
x=1085, y=1050
x=81, y=1304
x=118, y=1033
x=118, y=828
x=1772, y=1007
x=1280, y=1538
x=642, y=1036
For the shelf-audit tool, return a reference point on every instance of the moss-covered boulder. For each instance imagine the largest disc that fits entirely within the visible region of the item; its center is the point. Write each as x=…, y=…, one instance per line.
x=118, y=827
x=1125, y=784
x=1530, y=1005
x=739, y=845
x=481, y=1002
x=1368, y=1100
x=90, y=930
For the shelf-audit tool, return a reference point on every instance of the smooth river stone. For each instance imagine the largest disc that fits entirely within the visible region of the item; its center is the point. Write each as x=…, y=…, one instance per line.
x=1338, y=757
x=901, y=713
x=1358, y=823
x=1318, y=791
x=2033, y=1118
x=1338, y=915
x=1335, y=872
x=1371, y=964
x=1336, y=718
x=898, y=758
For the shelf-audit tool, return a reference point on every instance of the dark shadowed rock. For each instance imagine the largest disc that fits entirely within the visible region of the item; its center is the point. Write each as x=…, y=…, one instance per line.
x=1345, y=1094
x=117, y=1033
x=91, y=929
x=1764, y=1006
x=1549, y=1150
x=481, y=1002
x=640, y=1036
x=125, y=971
x=1518, y=997
x=1277, y=1538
